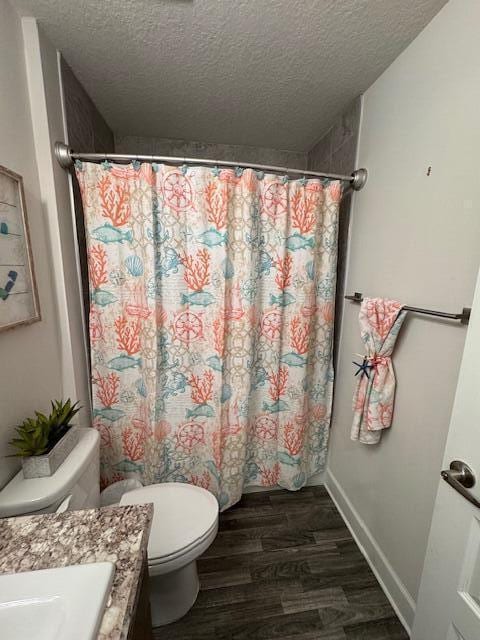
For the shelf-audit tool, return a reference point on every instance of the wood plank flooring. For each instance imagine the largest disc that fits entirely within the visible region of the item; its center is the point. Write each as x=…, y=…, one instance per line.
x=285, y=567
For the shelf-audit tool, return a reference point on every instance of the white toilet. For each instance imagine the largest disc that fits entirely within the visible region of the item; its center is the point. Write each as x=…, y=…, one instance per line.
x=75, y=484
x=184, y=525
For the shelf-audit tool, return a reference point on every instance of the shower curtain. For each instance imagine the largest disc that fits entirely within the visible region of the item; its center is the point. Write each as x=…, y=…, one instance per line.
x=211, y=323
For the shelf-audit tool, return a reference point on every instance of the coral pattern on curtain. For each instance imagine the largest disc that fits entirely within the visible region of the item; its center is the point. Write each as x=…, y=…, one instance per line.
x=380, y=321
x=211, y=323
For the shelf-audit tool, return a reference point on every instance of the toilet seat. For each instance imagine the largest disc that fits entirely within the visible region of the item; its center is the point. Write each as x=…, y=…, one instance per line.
x=184, y=525
x=185, y=522
x=185, y=550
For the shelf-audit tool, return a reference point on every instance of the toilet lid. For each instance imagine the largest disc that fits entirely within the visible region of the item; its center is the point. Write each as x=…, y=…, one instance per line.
x=182, y=515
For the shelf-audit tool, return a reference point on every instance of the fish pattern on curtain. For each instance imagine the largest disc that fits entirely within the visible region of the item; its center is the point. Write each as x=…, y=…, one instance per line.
x=380, y=322
x=211, y=323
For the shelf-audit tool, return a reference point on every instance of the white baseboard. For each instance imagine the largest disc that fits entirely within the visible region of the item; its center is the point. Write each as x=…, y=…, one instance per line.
x=394, y=589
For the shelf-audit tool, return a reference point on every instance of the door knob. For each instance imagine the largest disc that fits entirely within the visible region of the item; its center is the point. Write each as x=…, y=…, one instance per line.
x=461, y=478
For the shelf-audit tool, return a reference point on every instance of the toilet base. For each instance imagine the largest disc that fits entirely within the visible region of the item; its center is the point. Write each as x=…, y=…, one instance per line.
x=173, y=594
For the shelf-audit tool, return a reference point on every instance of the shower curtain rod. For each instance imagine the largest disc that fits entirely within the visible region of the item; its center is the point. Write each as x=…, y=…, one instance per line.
x=66, y=157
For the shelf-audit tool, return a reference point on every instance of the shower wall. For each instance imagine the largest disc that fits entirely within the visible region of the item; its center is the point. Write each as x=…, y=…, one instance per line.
x=87, y=131
x=336, y=152
x=210, y=151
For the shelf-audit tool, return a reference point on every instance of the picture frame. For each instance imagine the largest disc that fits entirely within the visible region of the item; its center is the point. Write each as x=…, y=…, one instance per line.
x=19, y=303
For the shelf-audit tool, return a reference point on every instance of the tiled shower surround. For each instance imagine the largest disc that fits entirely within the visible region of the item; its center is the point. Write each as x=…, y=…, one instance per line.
x=336, y=152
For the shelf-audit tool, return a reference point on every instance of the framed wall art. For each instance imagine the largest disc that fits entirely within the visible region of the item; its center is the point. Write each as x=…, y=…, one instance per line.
x=18, y=292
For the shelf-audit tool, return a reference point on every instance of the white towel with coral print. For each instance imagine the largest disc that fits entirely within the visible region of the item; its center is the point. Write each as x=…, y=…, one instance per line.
x=380, y=321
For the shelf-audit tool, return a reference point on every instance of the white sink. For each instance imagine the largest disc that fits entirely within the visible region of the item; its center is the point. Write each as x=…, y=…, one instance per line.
x=55, y=604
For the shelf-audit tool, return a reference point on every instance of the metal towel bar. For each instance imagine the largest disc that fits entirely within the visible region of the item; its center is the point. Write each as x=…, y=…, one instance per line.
x=464, y=316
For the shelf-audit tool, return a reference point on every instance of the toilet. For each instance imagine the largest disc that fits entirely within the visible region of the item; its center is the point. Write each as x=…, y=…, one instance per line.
x=185, y=523
x=74, y=485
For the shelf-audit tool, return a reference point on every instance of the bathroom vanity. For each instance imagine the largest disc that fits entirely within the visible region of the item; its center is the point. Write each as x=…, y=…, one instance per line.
x=111, y=534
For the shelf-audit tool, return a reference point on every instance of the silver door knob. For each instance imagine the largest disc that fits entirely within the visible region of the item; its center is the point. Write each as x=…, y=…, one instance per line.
x=461, y=478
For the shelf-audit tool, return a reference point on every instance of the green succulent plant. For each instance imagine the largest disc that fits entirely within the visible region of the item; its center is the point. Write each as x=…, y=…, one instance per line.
x=37, y=436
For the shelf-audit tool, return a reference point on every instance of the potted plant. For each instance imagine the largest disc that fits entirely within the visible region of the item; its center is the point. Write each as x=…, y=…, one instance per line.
x=43, y=442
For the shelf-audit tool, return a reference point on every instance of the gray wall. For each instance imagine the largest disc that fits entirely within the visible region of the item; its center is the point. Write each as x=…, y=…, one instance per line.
x=336, y=153
x=210, y=151
x=30, y=355
x=415, y=238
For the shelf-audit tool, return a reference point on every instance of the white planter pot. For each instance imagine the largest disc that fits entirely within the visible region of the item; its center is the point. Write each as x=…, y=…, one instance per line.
x=46, y=465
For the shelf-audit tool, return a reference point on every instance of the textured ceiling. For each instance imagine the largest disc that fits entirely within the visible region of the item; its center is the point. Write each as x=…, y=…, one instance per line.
x=270, y=73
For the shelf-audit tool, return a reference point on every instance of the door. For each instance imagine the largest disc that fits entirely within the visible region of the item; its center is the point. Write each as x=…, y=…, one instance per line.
x=449, y=599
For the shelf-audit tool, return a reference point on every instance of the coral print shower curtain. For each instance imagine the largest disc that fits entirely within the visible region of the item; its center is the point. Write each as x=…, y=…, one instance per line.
x=211, y=322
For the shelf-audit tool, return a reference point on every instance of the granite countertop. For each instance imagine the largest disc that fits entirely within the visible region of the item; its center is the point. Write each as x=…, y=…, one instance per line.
x=109, y=534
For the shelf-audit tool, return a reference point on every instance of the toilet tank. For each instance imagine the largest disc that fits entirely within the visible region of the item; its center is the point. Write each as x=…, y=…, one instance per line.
x=75, y=484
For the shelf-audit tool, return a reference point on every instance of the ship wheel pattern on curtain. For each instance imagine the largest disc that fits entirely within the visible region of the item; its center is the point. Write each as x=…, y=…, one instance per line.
x=211, y=323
